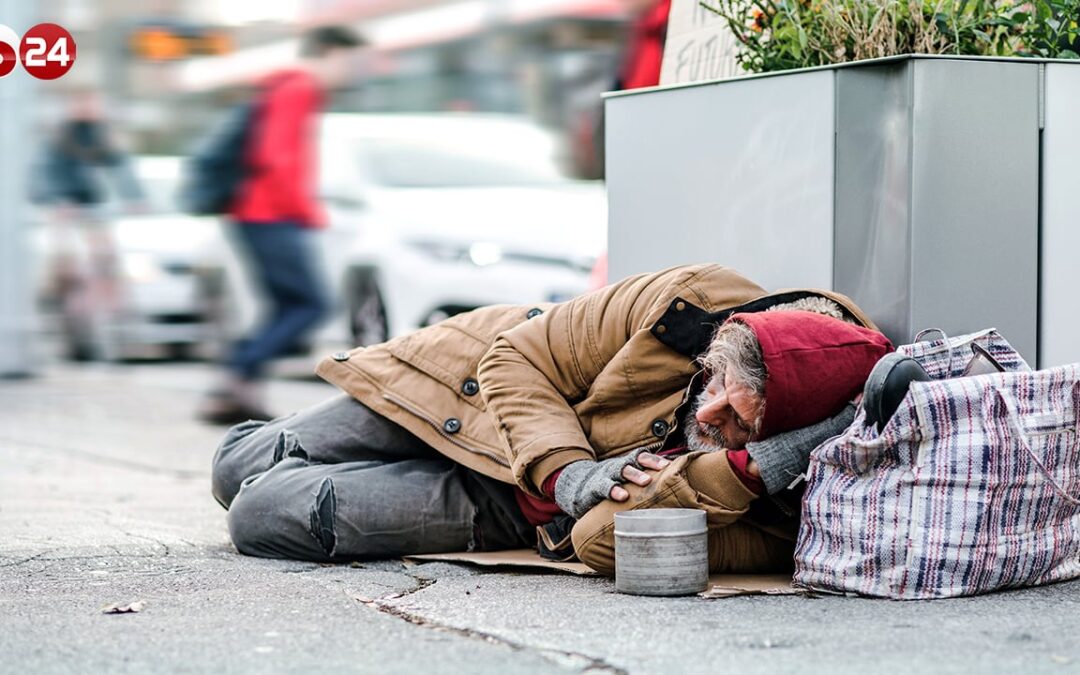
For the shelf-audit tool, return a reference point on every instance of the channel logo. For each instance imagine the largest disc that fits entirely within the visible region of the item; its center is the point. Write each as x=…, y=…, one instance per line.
x=46, y=51
x=9, y=46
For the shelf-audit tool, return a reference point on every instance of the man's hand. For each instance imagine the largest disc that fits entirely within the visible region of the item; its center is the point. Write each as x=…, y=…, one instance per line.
x=632, y=474
x=582, y=485
x=781, y=459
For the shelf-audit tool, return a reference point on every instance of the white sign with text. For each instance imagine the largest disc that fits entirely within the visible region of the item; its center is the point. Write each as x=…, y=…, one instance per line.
x=700, y=45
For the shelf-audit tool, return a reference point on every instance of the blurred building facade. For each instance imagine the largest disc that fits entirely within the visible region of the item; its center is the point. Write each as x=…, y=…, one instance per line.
x=171, y=66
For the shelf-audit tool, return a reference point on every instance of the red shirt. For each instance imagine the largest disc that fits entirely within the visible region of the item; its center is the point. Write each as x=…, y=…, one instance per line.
x=539, y=511
x=281, y=154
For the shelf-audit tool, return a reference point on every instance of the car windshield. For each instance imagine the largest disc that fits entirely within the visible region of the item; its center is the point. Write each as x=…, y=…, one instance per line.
x=411, y=165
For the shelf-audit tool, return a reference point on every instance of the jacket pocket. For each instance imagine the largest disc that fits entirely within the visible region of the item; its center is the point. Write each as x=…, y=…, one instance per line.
x=450, y=351
x=448, y=355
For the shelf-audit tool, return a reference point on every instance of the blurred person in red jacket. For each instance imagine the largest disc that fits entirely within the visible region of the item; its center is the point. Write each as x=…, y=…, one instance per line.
x=276, y=216
x=645, y=47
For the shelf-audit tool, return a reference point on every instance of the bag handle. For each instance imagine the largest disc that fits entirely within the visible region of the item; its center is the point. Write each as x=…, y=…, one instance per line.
x=921, y=335
x=1021, y=438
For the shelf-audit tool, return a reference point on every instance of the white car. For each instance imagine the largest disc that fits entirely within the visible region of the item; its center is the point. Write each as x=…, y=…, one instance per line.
x=431, y=215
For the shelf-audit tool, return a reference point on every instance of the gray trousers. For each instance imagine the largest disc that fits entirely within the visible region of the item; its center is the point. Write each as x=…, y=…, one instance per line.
x=340, y=482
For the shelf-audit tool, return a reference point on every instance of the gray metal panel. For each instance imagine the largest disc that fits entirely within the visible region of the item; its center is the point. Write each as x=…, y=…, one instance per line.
x=738, y=173
x=1059, y=316
x=18, y=342
x=975, y=194
x=873, y=188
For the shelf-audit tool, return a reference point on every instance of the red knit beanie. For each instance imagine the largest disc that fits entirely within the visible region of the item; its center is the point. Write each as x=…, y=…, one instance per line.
x=814, y=365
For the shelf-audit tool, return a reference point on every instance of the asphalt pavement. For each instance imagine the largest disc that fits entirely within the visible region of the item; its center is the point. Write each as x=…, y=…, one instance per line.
x=104, y=499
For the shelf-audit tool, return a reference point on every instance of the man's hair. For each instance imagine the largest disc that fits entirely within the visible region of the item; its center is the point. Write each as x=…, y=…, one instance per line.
x=324, y=39
x=736, y=354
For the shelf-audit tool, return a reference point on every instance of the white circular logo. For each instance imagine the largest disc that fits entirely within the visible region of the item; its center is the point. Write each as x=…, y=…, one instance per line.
x=9, y=50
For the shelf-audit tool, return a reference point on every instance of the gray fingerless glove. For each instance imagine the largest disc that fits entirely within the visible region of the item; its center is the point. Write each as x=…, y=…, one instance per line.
x=784, y=457
x=584, y=484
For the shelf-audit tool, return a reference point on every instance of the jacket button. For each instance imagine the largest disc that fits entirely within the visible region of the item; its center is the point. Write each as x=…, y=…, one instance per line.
x=659, y=428
x=535, y=311
x=341, y=356
x=452, y=425
x=470, y=387
x=680, y=306
x=661, y=328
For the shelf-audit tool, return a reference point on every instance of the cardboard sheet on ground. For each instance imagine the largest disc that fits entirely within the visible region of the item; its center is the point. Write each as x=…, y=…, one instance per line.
x=720, y=585
x=523, y=558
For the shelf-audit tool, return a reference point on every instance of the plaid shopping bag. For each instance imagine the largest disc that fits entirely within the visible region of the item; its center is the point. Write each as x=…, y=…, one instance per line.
x=972, y=486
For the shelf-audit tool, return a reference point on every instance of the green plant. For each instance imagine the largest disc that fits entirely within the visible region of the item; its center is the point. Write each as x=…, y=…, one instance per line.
x=1049, y=28
x=784, y=34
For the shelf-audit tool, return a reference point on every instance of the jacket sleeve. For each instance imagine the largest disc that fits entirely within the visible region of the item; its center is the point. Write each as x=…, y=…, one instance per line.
x=696, y=481
x=283, y=134
x=535, y=372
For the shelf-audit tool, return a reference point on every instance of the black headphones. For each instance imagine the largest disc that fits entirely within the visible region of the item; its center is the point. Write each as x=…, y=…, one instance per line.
x=887, y=385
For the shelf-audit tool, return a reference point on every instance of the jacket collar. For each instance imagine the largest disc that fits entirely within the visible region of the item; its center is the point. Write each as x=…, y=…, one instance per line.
x=688, y=329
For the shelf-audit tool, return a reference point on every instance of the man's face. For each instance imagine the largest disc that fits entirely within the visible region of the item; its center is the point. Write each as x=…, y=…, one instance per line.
x=724, y=415
x=338, y=67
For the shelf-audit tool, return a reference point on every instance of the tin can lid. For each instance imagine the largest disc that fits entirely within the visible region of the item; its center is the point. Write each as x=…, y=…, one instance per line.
x=660, y=521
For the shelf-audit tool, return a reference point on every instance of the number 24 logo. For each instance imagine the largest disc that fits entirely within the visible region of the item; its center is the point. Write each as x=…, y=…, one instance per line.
x=36, y=47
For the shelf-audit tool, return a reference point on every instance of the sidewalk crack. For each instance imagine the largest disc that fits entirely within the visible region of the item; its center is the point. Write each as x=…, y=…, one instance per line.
x=26, y=560
x=384, y=605
x=123, y=530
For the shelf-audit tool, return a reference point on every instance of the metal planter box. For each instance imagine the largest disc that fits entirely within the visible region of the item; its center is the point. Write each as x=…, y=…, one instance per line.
x=935, y=191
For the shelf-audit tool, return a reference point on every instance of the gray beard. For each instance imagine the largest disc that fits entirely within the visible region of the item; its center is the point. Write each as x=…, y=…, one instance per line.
x=697, y=439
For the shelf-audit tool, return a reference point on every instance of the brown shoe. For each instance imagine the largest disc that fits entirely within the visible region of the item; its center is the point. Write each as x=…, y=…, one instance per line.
x=224, y=408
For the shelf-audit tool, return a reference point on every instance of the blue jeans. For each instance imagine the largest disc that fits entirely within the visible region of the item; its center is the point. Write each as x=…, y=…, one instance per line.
x=283, y=262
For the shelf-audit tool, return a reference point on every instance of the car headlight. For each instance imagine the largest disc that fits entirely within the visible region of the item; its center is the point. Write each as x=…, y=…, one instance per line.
x=481, y=254
x=141, y=267
x=485, y=253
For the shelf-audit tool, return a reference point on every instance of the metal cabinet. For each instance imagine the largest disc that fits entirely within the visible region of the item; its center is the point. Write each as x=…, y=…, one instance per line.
x=932, y=190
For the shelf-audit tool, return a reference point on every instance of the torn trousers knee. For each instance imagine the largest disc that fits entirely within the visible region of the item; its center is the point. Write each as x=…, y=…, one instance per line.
x=249, y=449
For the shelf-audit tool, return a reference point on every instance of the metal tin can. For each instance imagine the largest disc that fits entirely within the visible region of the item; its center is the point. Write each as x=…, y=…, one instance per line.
x=661, y=552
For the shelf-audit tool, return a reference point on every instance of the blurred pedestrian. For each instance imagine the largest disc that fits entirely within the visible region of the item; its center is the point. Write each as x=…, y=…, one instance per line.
x=645, y=46
x=276, y=215
x=83, y=278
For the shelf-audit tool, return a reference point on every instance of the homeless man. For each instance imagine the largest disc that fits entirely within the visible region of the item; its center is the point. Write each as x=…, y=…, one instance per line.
x=484, y=431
